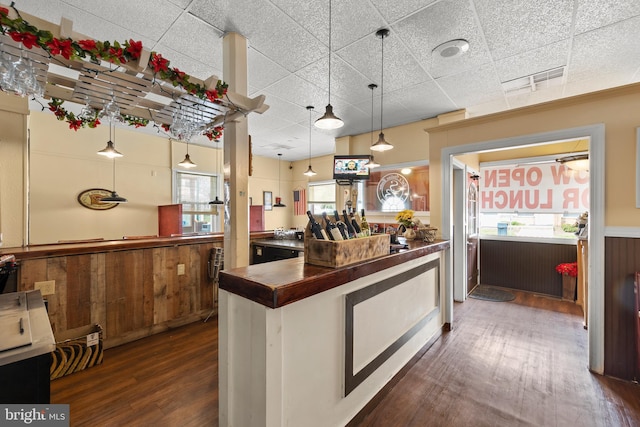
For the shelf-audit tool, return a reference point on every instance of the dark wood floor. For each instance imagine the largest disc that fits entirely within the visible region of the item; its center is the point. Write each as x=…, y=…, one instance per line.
x=522, y=363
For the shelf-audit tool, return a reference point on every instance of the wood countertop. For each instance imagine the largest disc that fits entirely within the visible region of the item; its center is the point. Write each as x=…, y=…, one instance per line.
x=97, y=246
x=279, y=283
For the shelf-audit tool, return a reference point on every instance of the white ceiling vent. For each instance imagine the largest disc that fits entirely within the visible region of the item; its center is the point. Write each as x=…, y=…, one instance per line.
x=534, y=82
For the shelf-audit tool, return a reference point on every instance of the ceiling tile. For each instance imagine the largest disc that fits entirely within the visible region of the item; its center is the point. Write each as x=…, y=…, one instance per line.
x=594, y=14
x=440, y=23
x=206, y=48
x=533, y=61
x=472, y=87
x=150, y=18
x=262, y=71
x=612, y=49
x=392, y=11
x=512, y=27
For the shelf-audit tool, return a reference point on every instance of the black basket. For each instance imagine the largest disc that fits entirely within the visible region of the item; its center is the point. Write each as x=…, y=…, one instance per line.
x=5, y=271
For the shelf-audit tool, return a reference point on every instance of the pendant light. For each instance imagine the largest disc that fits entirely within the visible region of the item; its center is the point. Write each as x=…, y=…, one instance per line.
x=217, y=200
x=114, y=198
x=187, y=163
x=310, y=172
x=329, y=120
x=577, y=162
x=372, y=163
x=110, y=150
x=279, y=203
x=381, y=144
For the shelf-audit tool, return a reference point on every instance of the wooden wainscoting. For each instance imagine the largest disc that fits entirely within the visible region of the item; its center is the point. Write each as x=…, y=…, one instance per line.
x=130, y=293
x=622, y=260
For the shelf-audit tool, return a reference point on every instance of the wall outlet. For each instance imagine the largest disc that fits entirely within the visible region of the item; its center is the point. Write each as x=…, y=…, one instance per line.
x=47, y=287
x=180, y=269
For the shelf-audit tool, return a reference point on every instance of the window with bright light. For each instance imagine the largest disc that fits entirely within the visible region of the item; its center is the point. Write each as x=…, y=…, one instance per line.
x=322, y=197
x=540, y=198
x=194, y=191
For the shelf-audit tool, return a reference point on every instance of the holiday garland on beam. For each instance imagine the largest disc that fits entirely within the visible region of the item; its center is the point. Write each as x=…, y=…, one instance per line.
x=117, y=53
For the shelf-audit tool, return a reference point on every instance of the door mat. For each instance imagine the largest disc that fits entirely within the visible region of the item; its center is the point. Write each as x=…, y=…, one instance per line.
x=488, y=293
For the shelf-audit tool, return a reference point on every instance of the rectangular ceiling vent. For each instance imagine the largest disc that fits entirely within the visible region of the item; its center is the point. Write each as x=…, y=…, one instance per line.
x=534, y=82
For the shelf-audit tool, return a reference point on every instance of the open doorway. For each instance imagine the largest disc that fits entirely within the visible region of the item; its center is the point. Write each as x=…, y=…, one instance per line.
x=452, y=220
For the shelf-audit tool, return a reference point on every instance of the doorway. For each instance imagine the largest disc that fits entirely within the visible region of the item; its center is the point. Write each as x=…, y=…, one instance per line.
x=451, y=221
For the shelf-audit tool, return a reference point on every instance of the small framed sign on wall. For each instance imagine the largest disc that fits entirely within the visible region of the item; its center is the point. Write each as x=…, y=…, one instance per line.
x=267, y=201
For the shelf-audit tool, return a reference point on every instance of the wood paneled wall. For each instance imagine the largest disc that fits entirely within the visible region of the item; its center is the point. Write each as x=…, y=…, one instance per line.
x=524, y=266
x=130, y=293
x=622, y=260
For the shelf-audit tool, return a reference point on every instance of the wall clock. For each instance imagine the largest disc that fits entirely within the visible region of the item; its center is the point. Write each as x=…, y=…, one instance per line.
x=91, y=199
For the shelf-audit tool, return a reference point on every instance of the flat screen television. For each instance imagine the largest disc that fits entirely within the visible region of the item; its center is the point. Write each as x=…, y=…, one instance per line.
x=351, y=167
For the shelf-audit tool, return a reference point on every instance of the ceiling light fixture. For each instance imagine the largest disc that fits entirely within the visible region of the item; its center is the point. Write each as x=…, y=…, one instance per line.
x=187, y=163
x=577, y=162
x=452, y=48
x=372, y=163
x=310, y=172
x=279, y=203
x=329, y=120
x=110, y=150
x=381, y=144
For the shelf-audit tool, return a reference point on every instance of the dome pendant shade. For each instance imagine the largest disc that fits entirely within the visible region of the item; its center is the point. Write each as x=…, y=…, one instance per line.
x=372, y=164
x=187, y=163
x=578, y=162
x=110, y=151
x=113, y=198
x=381, y=144
x=310, y=172
x=329, y=120
x=217, y=201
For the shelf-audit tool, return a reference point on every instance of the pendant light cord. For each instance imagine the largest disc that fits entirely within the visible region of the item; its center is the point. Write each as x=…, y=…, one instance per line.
x=310, y=121
x=114, y=159
x=372, y=87
x=329, y=51
x=381, y=83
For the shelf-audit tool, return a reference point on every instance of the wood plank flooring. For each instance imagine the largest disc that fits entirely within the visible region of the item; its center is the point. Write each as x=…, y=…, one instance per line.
x=522, y=363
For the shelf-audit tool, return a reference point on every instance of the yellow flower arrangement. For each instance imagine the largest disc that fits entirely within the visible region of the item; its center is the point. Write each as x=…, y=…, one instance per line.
x=406, y=218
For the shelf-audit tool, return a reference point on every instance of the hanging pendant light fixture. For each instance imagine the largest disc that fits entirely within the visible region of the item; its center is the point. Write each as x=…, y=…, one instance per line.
x=110, y=150
x=279, y=203
x=217, y=200
x=372, y=163
x=381, y=144
x=578, y=162
x=310, y=172
x=187, y=163
x=329, y=120
x=114, y=197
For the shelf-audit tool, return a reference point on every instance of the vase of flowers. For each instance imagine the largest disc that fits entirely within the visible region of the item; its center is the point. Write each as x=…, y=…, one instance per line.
x=569, y=271
x=407, y=221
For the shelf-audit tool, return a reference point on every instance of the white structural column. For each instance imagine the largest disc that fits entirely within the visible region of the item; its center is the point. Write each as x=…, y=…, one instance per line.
x=236, y=157
x=13, y=177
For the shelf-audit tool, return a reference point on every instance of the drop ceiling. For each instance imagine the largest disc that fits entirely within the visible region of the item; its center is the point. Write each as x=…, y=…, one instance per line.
x=595, y=44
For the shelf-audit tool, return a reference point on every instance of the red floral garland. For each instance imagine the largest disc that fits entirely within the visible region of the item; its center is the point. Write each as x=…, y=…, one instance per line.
x=23, y=32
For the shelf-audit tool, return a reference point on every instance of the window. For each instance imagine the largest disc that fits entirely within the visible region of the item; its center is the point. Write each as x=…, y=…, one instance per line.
x=531, y=197
x=398, y=188
x=194, y=191
x=322, y=197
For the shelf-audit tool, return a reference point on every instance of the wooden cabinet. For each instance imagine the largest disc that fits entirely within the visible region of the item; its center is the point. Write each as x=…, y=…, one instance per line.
x=169, y=220
x=256, y=218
